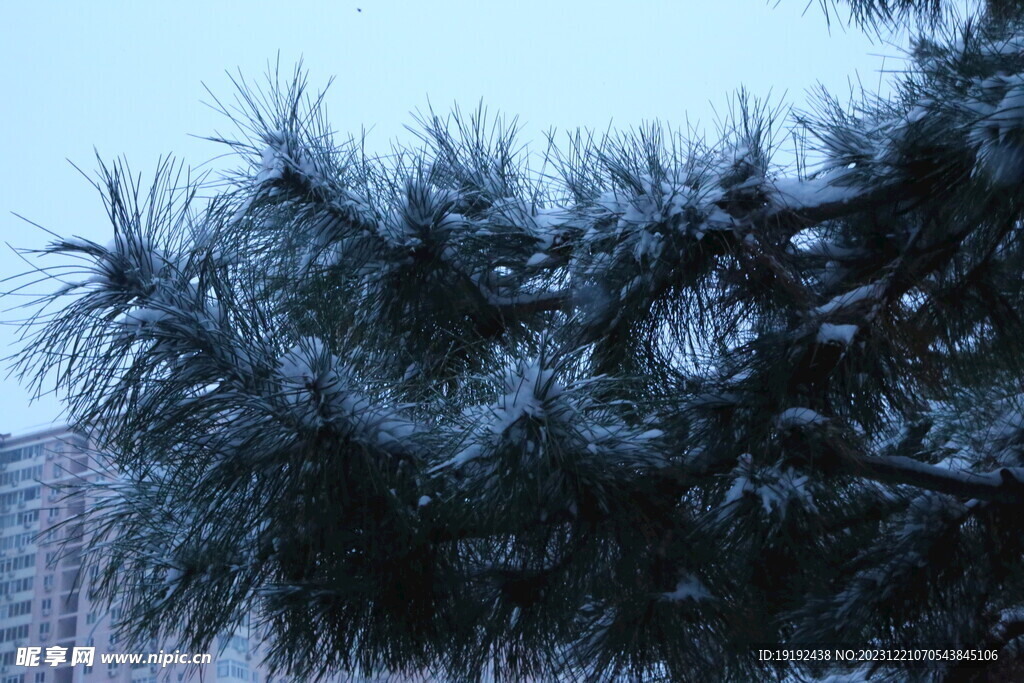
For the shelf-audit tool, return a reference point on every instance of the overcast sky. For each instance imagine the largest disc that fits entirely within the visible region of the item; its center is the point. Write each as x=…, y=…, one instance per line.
x=127, y=78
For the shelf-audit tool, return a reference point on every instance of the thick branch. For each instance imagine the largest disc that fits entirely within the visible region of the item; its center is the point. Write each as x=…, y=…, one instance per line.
x=1005, y=485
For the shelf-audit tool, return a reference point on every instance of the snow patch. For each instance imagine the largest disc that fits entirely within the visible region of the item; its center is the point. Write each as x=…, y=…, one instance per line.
x=798, y=417
x=1003, y=162
x=320, y=391
x=870, y=292
x=688, y=588
x=776, y=489
x=793, y=193
x=837, y=334
x=649, y=246
x=283, y=153
x=138, y=318
x=741, y=482
x=528, y=386
x=830, y=250
x=1009, y=115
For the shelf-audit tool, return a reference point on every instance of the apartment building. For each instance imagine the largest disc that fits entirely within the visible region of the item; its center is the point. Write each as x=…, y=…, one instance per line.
x=45, y=612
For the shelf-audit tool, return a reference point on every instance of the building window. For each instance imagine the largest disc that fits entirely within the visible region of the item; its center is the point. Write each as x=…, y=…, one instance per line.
x=14, y=633
x=44, y=629
x=28, y=518
x=16, y=610
x=231, y=668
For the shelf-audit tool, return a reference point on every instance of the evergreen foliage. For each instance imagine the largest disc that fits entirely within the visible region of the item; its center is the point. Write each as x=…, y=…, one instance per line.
x=634, y=414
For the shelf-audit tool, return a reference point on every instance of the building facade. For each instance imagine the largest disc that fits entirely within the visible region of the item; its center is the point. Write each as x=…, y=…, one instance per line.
x=48, y=626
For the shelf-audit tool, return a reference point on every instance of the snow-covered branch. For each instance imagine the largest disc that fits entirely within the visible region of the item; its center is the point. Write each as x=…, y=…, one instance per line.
x=1005, y=485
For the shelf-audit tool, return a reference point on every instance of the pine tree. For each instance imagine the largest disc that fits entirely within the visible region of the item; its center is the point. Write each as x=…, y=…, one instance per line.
x=639, y=413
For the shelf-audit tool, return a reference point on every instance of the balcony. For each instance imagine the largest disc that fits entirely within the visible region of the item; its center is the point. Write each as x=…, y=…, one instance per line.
x=67, y=627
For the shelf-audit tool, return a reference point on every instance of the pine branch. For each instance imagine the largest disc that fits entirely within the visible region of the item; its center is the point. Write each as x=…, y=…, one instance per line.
x=437, y=411
x=1004, y=486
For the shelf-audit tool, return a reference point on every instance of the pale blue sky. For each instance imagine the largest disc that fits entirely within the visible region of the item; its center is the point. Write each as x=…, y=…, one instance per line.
x=126, y=77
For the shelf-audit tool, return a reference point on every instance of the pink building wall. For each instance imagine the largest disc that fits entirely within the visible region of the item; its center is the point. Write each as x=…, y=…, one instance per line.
x=43, y=605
